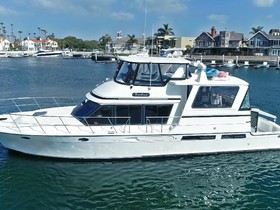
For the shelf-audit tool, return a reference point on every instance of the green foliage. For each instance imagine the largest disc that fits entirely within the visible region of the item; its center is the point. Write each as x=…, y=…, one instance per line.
x=164, y=31
x=73, y=43
x=188, y=48
x=104, y=41
x=131, y=40
x=255, y=30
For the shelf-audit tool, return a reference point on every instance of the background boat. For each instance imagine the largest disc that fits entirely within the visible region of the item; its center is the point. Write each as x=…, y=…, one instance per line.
x=103, y=57
x=48, y=53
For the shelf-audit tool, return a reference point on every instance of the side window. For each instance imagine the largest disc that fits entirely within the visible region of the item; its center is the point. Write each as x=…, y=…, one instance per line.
x=246, y=102
x=157, y=114
x=124, y=112
x=215, y=97
x=104, y=116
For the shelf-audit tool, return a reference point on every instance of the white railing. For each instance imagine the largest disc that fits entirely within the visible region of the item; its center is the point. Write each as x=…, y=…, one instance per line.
x=63, y=123
x=32, y=103
x=265, y=114
x=13, y=117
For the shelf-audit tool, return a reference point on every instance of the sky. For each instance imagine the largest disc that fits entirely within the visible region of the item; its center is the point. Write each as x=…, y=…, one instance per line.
x=91, y=19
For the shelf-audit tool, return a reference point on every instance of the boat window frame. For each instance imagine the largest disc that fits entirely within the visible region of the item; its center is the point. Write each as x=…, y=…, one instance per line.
x=246, y=104
x=121, y=74
x=96, y=117
x=208, y=98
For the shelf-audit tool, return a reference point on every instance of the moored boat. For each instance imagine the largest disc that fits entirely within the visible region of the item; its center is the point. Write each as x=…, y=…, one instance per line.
x=48, y=53
x=153, y=107
x=229, y=64
x=3, y=54
x=103, y=57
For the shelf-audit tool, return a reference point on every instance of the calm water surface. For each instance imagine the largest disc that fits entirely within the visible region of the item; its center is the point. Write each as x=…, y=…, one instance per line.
x=225, y=181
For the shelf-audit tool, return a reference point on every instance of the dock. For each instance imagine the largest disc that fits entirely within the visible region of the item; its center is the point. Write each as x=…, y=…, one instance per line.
x=247, y=60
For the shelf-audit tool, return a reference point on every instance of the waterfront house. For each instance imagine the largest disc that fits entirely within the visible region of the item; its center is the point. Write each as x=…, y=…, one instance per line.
x=4, y=44
x=28, y=45
x=224, y=43
x=32, y=45
x=262, y=43
x=122, y=46
x=50, y=44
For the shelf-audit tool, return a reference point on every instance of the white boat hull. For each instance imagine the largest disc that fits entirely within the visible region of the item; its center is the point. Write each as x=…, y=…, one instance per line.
x=129, y=146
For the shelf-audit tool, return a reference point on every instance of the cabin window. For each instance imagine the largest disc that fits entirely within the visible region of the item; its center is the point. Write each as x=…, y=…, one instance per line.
x=157, y=114
x=246, y=102
x=215, y=97
x=123, y=113
x=85, y=109
x=104, y=115
x=91, y=113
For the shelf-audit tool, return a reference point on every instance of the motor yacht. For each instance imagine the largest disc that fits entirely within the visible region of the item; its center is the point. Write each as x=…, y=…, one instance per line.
x=152, y=107
x=48, y=53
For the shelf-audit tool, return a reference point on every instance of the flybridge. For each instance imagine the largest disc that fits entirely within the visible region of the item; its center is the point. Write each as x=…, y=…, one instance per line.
x=151, y=71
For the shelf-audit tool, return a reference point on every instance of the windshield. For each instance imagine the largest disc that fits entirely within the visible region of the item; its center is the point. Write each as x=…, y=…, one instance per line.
x=149, y=74
x=85, y=109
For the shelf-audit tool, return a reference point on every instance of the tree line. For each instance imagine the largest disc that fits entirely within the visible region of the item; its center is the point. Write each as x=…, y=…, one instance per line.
x=74, y=43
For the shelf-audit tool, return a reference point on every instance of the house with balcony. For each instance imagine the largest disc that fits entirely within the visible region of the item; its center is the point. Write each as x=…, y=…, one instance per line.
x=28, y=45
x=263, y=44
x=223, y=43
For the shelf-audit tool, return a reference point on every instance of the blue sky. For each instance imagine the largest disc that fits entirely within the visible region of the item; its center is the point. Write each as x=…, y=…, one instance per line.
x=91, y=19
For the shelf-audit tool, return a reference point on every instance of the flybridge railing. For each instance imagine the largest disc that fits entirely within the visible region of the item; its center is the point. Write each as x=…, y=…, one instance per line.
x=32, y=103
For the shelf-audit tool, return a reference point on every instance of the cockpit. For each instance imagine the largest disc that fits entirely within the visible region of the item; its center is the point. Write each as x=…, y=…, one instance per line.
x=150, y=74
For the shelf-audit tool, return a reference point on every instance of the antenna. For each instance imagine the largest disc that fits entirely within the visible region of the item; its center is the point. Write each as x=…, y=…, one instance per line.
x=145, y=24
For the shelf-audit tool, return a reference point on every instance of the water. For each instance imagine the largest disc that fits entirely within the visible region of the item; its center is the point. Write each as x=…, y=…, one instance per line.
x=225, y=181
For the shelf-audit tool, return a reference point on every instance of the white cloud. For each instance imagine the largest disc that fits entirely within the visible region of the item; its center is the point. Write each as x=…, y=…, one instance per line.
x=83, y=7
x=6, y=11
x=161, y=6
x=264, y=3
x=218, y=18
x=122, y=15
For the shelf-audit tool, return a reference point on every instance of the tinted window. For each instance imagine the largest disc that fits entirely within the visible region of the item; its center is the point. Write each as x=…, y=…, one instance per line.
x=215, y=97
x=157, y=113
x=91, y=113
x=86, y=108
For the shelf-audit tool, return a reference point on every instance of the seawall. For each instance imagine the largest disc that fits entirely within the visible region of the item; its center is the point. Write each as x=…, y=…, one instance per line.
x=219, y=59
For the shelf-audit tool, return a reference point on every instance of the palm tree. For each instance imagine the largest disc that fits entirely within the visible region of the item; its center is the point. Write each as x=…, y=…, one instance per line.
x=45, y=33
x=164, y=31
x=255, y=30
x=131, y=40
x=20, y=32
x=104, y=41
x=51, y=36
x=2, y=24
x=39, y=29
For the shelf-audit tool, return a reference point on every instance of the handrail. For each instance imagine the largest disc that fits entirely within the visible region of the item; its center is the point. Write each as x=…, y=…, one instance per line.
x=32, y=103
x=265, y=114
x=20, y=121
x=14, y=108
